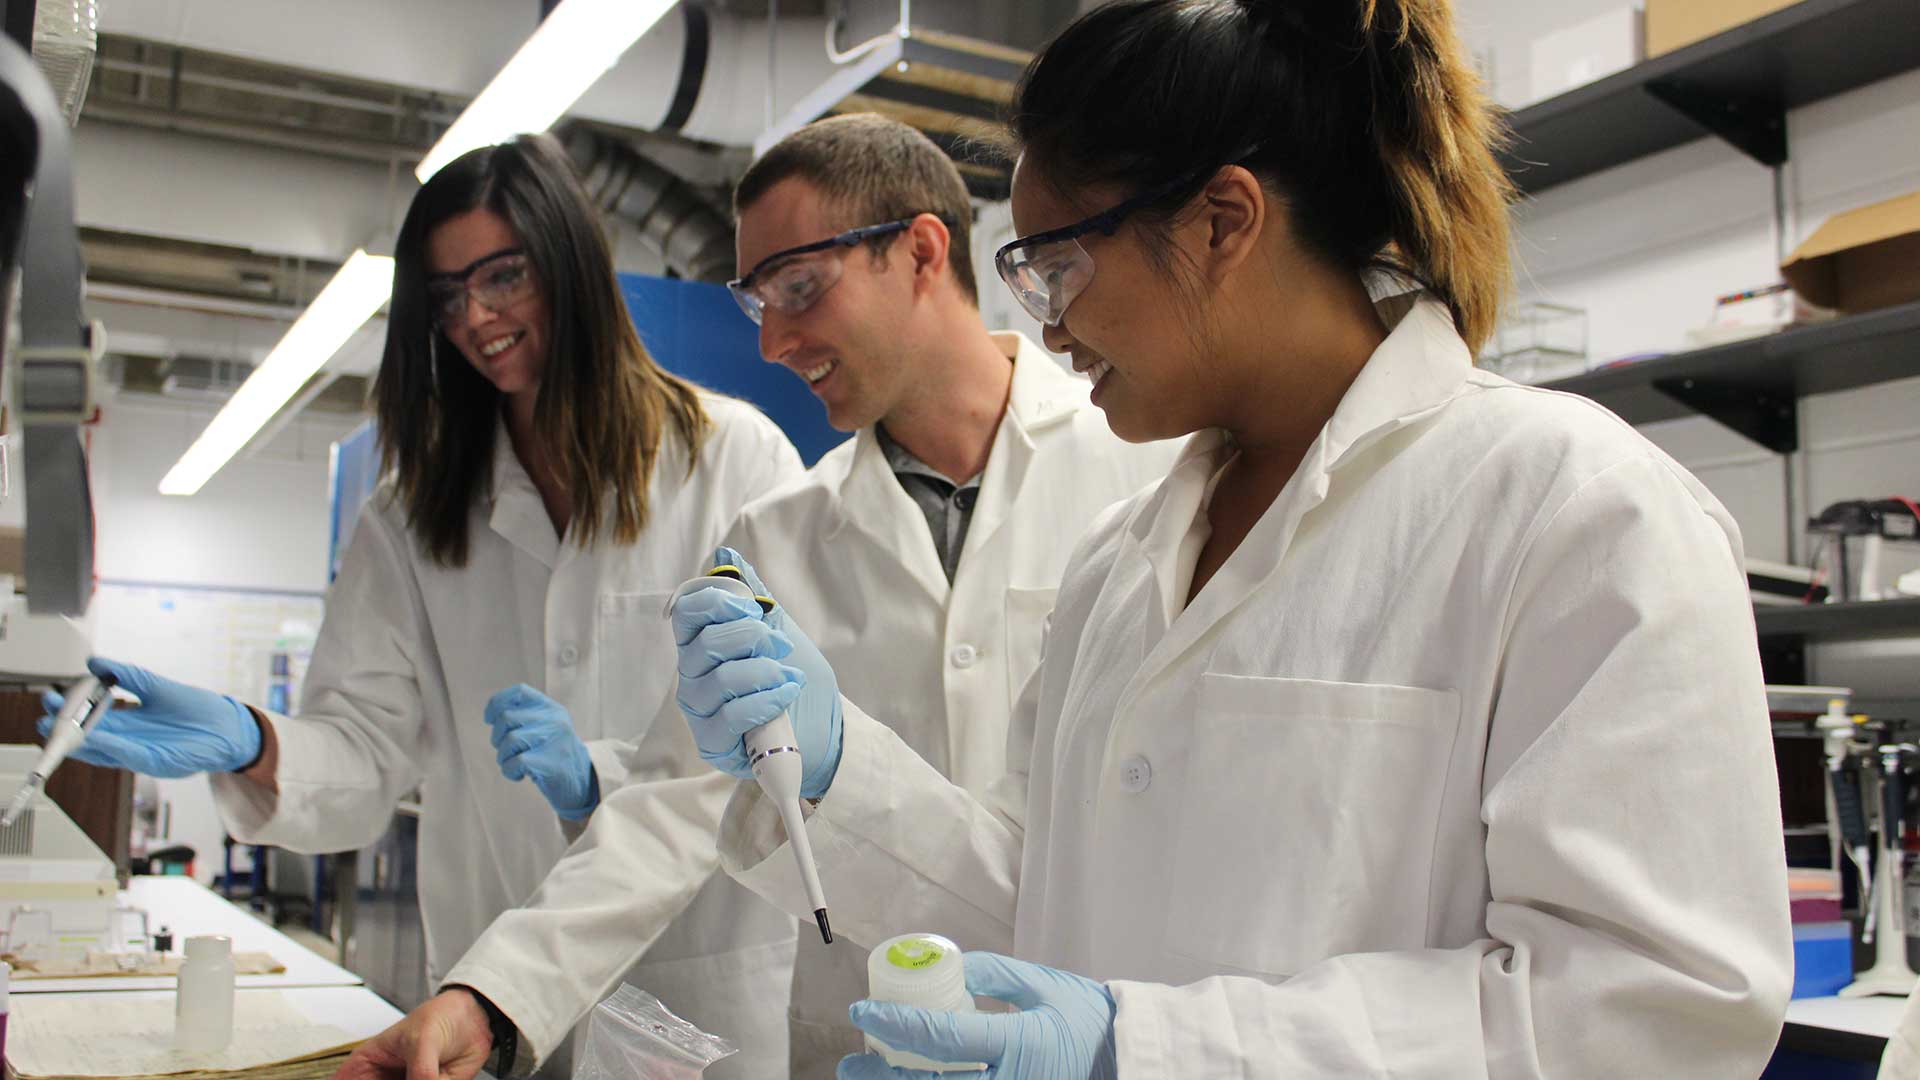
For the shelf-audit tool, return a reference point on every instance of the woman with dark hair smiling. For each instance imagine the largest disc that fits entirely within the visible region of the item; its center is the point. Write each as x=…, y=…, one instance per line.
x=497, y=616
x=1412, y=726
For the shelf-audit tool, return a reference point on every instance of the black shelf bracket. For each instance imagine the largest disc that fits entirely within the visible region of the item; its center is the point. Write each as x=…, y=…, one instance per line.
x=1772, y=420
x=1755, y=127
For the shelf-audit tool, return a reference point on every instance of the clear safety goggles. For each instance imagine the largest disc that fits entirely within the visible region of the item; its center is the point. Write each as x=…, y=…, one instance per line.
x=497, y=281
x=793, y=280
x=1048, y=270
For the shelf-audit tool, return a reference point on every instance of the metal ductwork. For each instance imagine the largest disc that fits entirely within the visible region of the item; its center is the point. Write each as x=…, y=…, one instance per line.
x=65, y=34
x=693, y=237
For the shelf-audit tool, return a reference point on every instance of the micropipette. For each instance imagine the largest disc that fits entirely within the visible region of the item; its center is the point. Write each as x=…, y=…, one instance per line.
x=774, y=754
x=86, y=702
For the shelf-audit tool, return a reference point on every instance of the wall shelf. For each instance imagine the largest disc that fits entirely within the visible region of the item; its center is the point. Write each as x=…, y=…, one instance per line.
x=1854, y=621
x=1753, y=386
x=1737, y=85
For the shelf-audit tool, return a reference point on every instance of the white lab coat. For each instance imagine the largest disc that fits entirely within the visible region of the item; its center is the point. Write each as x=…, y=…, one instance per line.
x=850, y=555
x=1459, y=766
x=1901, y=1059
x=396, y=694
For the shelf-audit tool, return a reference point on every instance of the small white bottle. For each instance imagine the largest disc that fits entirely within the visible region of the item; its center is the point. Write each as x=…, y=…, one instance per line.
x=924, y=970
x=203, y=1010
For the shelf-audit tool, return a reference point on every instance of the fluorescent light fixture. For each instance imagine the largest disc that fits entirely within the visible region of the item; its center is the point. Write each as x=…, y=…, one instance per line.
x=348, y=301
x=574, y=45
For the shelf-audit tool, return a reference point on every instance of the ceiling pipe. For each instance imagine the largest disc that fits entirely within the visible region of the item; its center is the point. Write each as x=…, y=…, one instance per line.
x=692, y=237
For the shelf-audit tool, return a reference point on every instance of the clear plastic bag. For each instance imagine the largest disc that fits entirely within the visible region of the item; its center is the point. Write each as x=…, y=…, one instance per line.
x=632, y=1036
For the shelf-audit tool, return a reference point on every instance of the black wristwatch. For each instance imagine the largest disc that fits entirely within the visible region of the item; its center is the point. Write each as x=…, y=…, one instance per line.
x=506, y=1035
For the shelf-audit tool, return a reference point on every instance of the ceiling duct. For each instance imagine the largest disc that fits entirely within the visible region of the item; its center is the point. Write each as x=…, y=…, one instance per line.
x=202, y=378
x=691, y=236
x=65, y=38
x=954, y=89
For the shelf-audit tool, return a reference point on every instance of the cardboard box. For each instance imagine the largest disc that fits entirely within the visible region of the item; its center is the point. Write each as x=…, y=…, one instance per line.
x=1674, y=24
x=13, y=553
x=1587, y=52
x=1861, y=260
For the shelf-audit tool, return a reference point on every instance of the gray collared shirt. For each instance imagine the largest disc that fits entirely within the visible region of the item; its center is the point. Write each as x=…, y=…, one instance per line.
x=947, y=505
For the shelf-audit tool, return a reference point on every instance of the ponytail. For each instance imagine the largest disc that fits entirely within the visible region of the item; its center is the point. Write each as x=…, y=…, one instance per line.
x=1435, y=133
x=1365, y=115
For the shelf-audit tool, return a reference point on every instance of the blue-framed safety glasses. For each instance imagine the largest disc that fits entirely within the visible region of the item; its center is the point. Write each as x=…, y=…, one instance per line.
x=1047, y=270
x=791, y=281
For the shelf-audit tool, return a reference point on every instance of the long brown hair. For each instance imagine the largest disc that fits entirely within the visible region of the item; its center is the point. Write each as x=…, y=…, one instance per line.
x=603, y=402
x=1364, y=115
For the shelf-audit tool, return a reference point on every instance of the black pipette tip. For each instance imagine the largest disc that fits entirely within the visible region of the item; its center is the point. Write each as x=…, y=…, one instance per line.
x=826, y=932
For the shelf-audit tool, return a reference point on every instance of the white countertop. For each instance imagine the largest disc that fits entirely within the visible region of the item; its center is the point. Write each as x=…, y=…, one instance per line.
x=355, y=1010
x=189, y=908
x=1876, y=1016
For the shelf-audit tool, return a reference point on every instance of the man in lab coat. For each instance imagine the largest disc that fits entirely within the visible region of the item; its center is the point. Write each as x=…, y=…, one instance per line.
x=935, y=537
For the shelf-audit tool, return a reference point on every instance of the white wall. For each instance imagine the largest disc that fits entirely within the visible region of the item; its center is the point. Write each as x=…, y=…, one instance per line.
x=1646, y=248
x=260, y=524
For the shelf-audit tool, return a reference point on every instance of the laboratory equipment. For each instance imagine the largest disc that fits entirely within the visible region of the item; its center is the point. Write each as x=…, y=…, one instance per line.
x=203, y=1006
x=1538, y=342
x=1889, y=973
x=1875, y=521
x=1837, y=729
x=926, y=971
x=50, y=867
x=774, y=755
x=85, y=703
x=51, y=371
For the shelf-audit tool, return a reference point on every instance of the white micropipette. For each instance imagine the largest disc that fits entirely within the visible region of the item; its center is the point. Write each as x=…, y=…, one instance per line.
x=86, y=702
x=774, y=754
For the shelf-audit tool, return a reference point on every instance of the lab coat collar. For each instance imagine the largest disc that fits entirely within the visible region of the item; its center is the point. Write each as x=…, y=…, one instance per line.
x=1421, y=366
x=518, y=514
x=1043, y=395
x=870, y=498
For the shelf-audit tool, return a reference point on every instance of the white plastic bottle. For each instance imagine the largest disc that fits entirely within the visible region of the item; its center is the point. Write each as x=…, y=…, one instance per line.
x=203, y=1011
x=924, y=970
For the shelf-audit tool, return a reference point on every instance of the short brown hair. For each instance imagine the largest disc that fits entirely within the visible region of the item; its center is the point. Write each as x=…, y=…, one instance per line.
x=872, y=169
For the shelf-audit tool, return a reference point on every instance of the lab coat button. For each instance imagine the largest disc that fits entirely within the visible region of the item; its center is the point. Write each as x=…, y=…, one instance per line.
x=964, y=655
x=568, y=654
x=1135, y=774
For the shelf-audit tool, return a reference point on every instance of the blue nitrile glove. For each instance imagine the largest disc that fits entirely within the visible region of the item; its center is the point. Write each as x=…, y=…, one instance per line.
x=1063, y=1031
x=732, y=679
x=176, y=730
x=534, y=737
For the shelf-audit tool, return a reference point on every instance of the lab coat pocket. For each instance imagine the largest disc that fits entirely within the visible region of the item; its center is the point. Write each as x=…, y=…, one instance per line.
x=636, y=662
x=1306, y=822
x=1027, y=614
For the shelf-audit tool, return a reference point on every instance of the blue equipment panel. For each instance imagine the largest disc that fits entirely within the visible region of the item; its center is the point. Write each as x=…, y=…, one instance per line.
x=696, y=331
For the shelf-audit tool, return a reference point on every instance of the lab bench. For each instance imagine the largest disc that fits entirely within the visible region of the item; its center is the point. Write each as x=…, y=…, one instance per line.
x=319, y=989
x=188, y=908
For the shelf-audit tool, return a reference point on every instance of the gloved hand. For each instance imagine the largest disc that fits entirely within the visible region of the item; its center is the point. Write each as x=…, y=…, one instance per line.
x=732, y=679
x=534, y=737
x=1063, y=1031
x=176, y=730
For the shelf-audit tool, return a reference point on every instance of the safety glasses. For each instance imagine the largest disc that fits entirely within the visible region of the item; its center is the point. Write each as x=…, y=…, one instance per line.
x=793, y=280
x=1047, y=270
x=497, y=282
